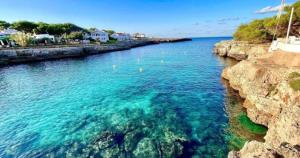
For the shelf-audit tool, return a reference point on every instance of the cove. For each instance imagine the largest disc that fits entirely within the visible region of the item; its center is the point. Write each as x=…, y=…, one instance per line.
x=163, y=100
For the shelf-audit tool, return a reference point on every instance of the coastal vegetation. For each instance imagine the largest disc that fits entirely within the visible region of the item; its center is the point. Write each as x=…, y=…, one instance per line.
x=75, y=35
x=4, y=25
x=263, y=30
x=294, y=75
x=43, y=28
x=22, y=39
x=294, y=82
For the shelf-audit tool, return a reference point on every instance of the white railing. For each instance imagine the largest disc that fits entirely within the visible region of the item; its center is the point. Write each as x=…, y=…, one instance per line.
x=292, y=46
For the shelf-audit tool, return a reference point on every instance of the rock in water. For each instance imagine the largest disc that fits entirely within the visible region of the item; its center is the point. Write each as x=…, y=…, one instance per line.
x=146, y=148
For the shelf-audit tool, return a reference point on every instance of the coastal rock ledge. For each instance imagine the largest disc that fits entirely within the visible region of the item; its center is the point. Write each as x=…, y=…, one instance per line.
x=270, y=85
x=240, y=50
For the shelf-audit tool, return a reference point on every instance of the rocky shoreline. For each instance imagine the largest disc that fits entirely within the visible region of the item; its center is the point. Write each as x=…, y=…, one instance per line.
x=269, y=84
x=22, y=55
x=240, y=50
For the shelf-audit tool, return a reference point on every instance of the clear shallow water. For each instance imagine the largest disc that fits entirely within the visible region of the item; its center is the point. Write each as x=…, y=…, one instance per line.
x=162, y=100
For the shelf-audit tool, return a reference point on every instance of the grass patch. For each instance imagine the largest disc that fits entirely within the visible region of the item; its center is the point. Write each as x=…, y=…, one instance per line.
x=111, y=41
x=271, y=88
x=294, y=75
x=295, y=84
x=251, y=126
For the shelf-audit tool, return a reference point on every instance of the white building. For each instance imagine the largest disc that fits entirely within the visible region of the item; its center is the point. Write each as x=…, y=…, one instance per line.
x=139, y=35
x=121, y=36
x=100, y=35
x=43, y=36
x=4, y=37
x=8, y=32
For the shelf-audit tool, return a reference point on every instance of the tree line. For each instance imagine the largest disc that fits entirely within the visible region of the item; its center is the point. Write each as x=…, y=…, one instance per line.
x=42, y=28
x=263, y=30
x=68, y=29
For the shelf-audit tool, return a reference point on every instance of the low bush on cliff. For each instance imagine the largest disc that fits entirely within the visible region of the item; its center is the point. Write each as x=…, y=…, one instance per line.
x=295, y=84
x=271, y=88
x=294, y=75
x=294, y=81
x=261, y=31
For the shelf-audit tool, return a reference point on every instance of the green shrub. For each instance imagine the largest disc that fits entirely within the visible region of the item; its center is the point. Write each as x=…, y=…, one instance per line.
x=294, y=75
x=75, y=35
x=295, y=84
x=4, y=25
x=251, y=126
x=111, y=41
x=22, y=39
x=271, y=88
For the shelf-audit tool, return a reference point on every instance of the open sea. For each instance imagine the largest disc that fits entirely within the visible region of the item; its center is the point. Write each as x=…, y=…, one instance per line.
x=157, y=101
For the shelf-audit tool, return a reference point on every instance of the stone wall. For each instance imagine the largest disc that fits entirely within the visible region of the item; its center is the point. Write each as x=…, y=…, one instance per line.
x=20, y=55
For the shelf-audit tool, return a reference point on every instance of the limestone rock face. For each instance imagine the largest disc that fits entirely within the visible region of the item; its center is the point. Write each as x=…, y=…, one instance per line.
x=271, y=101
x=240, y=50
x=254, y=149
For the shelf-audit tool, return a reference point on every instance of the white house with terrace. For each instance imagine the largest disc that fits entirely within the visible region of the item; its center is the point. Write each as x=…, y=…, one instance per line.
x=139, y=35
x=9, y=31
x=100, y=35
x=121, y=36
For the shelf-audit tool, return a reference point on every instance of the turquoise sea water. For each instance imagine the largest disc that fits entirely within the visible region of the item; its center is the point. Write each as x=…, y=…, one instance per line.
x=164, y=100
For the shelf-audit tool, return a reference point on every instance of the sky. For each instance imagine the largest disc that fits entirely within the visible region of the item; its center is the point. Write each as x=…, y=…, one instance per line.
x=159, y=18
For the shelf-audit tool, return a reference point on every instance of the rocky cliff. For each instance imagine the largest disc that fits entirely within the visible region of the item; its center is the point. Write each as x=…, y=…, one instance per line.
x=270, y=84
x=240, y=50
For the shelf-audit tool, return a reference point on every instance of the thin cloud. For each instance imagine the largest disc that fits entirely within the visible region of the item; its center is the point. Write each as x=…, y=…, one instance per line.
x=222, y=21
x=229, y=19
x=269, y=9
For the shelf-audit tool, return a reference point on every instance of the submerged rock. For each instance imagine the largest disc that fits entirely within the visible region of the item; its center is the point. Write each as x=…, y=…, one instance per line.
x=146, y=148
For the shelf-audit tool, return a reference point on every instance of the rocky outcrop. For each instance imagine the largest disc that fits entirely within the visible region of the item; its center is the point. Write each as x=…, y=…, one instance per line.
x=240, y=50
x=271, y=100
